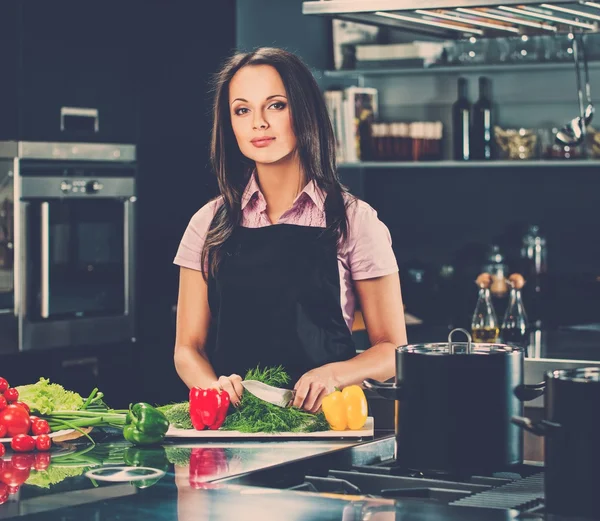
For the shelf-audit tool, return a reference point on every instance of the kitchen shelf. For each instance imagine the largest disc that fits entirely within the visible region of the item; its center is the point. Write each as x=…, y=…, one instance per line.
x=461, y=69
x=557, y=163
x=450, y=19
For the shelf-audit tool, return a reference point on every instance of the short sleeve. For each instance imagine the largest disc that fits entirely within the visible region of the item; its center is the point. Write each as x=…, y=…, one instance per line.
x=190, y=248
x=370, y=251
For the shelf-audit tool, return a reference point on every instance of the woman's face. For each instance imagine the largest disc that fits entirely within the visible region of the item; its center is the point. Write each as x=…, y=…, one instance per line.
x=260, y=114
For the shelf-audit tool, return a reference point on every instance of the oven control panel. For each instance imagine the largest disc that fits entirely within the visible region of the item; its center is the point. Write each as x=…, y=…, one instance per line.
x=75, y=186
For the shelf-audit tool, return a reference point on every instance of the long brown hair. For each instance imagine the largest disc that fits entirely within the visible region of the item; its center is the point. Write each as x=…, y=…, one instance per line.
x=315, y=147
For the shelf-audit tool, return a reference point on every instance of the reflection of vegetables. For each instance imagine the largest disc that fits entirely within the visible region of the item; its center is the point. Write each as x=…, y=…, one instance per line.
x=208, y=407
x=346, y=409
x=53, y=474
x=255, y=415
x=45, y=397
x=206, y=463
x=178, y=414
x=178, y=455
x=153, y=457
x=145, y=425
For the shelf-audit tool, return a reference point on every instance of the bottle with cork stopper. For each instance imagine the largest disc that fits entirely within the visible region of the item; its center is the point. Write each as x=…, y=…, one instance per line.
x=515, y=326
x=484, y=324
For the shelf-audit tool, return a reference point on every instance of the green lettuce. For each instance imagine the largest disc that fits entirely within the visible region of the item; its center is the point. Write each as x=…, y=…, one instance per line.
x=53, y=475
x=44, y=397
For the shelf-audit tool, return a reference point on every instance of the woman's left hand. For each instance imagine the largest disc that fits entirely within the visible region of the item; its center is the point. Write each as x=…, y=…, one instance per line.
x=313, y=386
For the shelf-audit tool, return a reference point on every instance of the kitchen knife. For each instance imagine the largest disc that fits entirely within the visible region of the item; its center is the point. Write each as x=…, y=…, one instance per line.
x=268, y=393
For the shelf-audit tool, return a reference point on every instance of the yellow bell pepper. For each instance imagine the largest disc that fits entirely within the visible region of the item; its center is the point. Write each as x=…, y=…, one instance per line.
x=346, y=409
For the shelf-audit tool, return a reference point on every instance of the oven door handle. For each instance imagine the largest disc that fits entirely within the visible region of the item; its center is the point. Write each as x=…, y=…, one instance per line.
x=129, y=250
x=45, y=257
x=20, y=244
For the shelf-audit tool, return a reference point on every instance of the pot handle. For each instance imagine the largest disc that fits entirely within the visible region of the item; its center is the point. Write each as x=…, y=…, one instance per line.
x=527, y=392
x=388, y=390
x=541, y=428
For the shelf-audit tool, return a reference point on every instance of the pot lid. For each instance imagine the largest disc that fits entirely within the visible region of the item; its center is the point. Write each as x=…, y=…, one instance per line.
x=579, y=374
x=459, y=348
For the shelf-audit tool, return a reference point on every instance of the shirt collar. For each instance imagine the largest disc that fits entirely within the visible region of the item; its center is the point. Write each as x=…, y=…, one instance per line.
x=317, y=196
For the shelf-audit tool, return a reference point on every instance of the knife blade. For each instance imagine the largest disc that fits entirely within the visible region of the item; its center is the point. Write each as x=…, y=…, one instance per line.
x=268, y=393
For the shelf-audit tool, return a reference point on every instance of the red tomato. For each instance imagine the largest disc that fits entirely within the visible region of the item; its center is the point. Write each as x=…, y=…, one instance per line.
x=23, y=461
x=3, y=385
x=40, y=427
x=43, y=442
x=13, y=476
x=3, y=492
x=11, y=394
x=3, y=402
x=2, y=450
x=24, y=405
x=13, y=489
x=22, y=443
x=2, y=430
x=42, y=461
x=16, y=420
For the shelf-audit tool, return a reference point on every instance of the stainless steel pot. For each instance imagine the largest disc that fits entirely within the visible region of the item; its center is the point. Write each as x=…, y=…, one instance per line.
x=455, y=402
x=571, y=426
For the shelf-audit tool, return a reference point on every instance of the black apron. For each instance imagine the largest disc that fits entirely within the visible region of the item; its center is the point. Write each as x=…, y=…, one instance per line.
x=276, y=301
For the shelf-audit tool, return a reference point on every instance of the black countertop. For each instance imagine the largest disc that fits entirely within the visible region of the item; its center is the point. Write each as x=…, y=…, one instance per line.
x=215, y=481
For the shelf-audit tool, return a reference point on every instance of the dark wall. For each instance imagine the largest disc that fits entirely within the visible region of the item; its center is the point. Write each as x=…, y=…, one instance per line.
x=181, y=45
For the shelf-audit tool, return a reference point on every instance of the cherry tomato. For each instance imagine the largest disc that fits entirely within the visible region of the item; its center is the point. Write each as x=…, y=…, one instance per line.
x=2, y=430
x=22, y=443
x=42, y=461
x=3, y=385
x=3, y=402
x=24, y=405
x=3, y=492
x=23, y=461
x=11, y=394
x=15, y=419
x=13, y=476
x=2, y=450
x=40, y=427
x=43, y=442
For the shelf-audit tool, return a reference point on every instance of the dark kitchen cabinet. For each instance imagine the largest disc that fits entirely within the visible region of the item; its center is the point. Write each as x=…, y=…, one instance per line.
x=111, y=368
x=68, y=71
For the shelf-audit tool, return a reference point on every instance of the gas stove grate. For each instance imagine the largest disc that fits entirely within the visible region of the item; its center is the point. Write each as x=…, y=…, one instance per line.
x=523, y=495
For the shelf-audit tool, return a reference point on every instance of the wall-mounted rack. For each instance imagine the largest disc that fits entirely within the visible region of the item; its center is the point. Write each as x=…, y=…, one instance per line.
x=455, y=19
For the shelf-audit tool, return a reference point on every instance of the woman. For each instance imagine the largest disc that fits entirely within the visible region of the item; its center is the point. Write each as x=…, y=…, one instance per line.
x=271, y=269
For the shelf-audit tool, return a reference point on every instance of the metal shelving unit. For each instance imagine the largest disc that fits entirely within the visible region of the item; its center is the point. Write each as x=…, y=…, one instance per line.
x=453, y=19
x=528, y=68
x=541, y=163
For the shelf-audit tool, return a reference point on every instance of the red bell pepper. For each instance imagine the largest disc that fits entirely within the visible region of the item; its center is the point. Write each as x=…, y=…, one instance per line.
x=208, y=407
x=206, y=465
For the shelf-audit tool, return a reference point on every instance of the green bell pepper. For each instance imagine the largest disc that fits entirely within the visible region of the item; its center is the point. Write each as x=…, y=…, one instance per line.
x=145, y=425
x=153, y=457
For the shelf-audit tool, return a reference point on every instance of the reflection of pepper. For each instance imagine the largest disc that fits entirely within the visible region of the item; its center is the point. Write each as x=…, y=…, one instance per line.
x=153, y=457
x=206, y=464
x=346, y=409
x=208, y=407
x=145, y=425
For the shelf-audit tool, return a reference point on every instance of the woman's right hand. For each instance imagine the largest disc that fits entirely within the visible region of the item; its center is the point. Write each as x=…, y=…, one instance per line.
x=233, y=385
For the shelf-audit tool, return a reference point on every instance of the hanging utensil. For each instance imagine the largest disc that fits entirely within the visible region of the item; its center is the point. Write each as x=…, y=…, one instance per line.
x=573, y=133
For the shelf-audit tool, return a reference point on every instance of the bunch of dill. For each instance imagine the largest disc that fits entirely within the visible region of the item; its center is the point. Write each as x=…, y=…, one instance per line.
x=256, y=415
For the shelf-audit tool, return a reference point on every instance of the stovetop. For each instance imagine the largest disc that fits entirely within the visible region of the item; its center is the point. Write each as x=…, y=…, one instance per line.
x=369, y=472
x=521, y=488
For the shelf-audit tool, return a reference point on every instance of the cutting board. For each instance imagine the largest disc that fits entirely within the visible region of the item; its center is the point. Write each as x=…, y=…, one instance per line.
x=365, y=432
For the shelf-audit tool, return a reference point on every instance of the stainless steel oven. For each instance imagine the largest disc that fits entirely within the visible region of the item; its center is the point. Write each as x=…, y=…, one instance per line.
x=74, y=248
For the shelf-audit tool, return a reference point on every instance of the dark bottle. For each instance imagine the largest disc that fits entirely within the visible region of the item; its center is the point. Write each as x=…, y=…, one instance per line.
x=515, y=327
x=461, y=118
x=482, y=136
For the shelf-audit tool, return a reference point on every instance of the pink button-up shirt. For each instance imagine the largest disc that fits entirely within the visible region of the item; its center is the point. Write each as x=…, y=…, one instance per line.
x=367, y=253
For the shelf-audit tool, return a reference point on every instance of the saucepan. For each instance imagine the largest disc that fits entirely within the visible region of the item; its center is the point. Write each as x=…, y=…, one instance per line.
x=571, y=427
x=454, y=404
